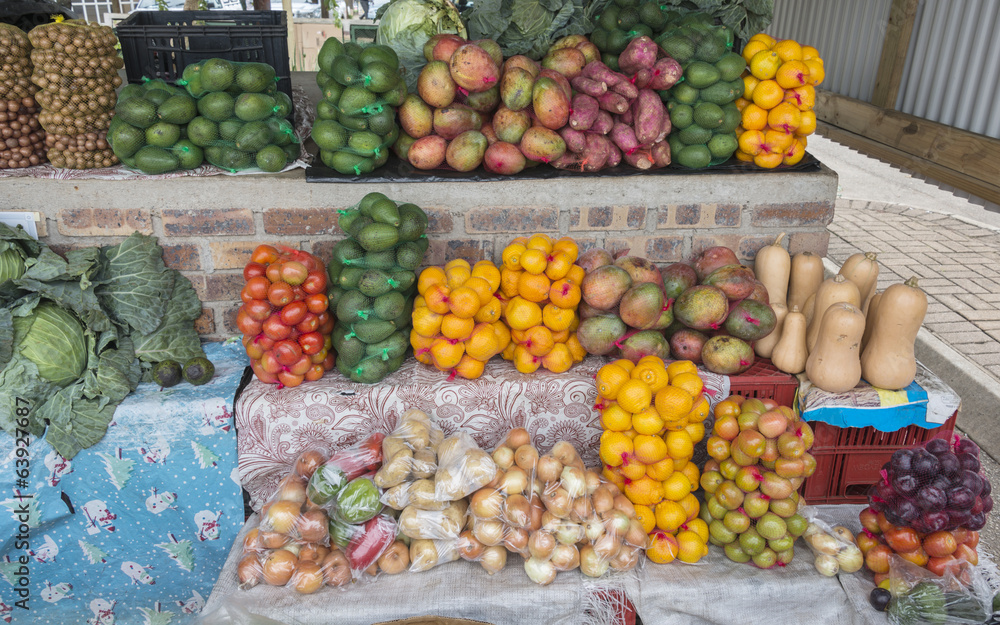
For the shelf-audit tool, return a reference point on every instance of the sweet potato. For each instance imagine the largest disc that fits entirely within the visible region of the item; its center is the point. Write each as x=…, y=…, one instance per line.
x=592, y=88
x=614, y=156
x=661, y=154
x=626, y=89
x=664, y=129
x=640, y=159
x=595, y=70
x=583, y=111
x=648, y=111
x=575, y=140
x=613, y=103
x=628, y=117
x=603, y=124
x=596, y=156
x=624, y=137
x=642, y=78
x=639, y=54
x=570, y=161
x=666, y=73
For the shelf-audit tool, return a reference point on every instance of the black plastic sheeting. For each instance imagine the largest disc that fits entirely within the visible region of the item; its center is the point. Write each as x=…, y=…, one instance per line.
x=397, y=170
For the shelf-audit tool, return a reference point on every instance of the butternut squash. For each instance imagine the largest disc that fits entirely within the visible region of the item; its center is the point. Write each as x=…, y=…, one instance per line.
x=805, y=277
x=789, y=355
x=888, y=361
x=773, y=267
x=870, y=315
x=834, y=365
x=832, y=290
x=809, y=309
x=862, y=270
x=765, y=346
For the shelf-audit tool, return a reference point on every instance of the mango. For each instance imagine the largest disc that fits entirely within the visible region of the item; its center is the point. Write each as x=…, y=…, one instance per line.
x=473, y=69
x=465, y=152
x=510, y=125
x=567, y=61
x=550, y=104
x=401, y=148
x=503, y=158
x=435, y=85
x=484, y=101
x=415, y=117
x=492, y=48
x=427, y=152
x=727, y=355
x=451, y=121
x=440, y=47
x=516, y=87
x=522, y=62
x=542, y=145
x=561, y=80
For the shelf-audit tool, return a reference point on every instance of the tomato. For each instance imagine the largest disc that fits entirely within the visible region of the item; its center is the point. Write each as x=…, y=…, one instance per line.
x=287, y=352
x=326, y=327
x=317, y=303
x=323, y=316
x=273, y=272
x=939, y=565
x=294, y=312
x=904, y=539
x=300, y=366
x=973, y=540
x=307, y=259
x=940, y=544
x=264, y=342
x=918, y=556
x=299, y=293
x=274, y=329
x=877, y=559
x=315, y=282
x=294, y=335
x=319, y=356
x=258, y=309
x=309, y=323
x=264, y=254
x=257, y=287
x=269, y=362
x=289, y=379
x=252, y=270
x=315, y=372
x=311, y=342
x=280, y=294
x=254, y=350
x=330, y=361
x=327, y=341
x=262, y=375
x=247, y=324
x=293, y=272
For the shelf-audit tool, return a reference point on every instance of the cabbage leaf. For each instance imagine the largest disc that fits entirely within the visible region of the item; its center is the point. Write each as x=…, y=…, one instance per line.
x=528, y=27
x=135, y=282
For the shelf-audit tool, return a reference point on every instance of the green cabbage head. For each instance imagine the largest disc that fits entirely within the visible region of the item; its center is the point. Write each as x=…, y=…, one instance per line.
x=11, y=265
x=53, y=339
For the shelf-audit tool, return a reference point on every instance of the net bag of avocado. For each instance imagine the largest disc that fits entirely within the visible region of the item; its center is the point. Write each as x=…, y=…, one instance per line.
x=355, y=124
x=373, y=284
x=703, y=113
x=242, y=118
x=76, y=65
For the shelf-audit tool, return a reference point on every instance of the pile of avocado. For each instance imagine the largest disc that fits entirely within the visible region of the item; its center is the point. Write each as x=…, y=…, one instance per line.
x=196, y=371
x=356, y=119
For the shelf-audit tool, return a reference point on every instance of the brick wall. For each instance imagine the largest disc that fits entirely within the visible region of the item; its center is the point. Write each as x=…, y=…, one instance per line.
x=208, y=226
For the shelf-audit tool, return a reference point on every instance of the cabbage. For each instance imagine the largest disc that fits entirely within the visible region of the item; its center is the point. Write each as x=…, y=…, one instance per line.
x=406, y=25
x=11, y=265
x=52, y=338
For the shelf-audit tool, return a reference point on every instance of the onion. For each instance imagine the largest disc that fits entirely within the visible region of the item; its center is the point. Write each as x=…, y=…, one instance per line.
x=850, y=559
x=517, y=511
x=486, y=503
x=395, y=559
x=518, y=437
x=569, y=533
x=372, y=570
x=493, y=559
x=624, y=505
x=514, y=481
x=294, y=548
x=249, y=571
x=281, y=517
x=824, y=543
x=273, y=540
x=292, y=488
x=826, y=565
x=541, y=544
x=592, y=564
x=489, y=533
x=516, y=540
x=844, y=534
x=526, y=457
x=582, y=507
x=469, y=547
x=626, y=559
x=593, y=481
x=313, y=526
x=565, y=557
x=812, y=529
x=618, y=523
x=251, y=542
x=558, y=503
x=504, y=457
x=607, y=546
x=537, y=511
x=308, y=462
x=549, y=468
x=593, y=528
x=635, y=536
x=542, y=572
x=565, y=452
x=313, y=552
x=278, y=567
x=550, y=521
x=603, y=500
x=537, y=487
x=308, y=578
x=574, y=481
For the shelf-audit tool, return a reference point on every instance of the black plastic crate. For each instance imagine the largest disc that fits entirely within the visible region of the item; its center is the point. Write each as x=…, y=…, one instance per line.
x=160, y=44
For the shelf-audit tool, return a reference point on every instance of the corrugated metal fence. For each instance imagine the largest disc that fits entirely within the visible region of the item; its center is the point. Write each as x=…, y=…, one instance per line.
x=952, y=71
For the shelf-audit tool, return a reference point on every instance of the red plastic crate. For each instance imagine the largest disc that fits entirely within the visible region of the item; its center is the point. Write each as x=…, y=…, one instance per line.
x=764, y=381
x=848, y=460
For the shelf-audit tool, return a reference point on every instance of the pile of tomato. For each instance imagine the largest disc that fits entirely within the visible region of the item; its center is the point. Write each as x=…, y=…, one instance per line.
x=284, y=318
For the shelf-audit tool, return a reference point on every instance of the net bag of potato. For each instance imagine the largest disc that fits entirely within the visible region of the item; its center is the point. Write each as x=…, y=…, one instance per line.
x=22, y=140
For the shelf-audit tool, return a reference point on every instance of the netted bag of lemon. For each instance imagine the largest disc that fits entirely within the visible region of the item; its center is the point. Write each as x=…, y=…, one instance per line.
x=15, y=64
x=701, y=105
x=373, y=284
x=356, y=119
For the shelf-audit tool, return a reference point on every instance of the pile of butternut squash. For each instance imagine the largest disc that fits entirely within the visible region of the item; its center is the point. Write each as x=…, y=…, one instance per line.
x=839, y=329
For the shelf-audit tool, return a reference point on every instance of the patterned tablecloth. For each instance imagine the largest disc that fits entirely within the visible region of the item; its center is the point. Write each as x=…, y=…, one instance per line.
x=132, y=531
x=275, y=425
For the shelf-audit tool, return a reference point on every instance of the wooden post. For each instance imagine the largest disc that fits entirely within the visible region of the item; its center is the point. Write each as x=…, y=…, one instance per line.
x=897, y=42
x=261, y=5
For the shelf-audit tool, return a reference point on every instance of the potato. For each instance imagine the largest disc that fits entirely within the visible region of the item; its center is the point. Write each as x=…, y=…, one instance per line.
x=424, y=463
x=395, y=471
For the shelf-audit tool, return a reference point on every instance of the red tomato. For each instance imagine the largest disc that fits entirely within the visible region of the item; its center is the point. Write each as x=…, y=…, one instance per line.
x=940, y=544
x=280, y=294
x=311, y=342
x=264, y=342
x=315, y=282
x=331, y=360
x=289, y=379
x=273, y=272
x=287, y=352
x=257, y=287
x=300, y=366
x=247, y=324
x=252, y=270
x=294, y=335
x=877, y=559
x=319, y=356
x=245, y=296
x=967, y=553
x=939, y=565
x=317, y=303
x=269, y=362
x=309, y=323
x=972, y=540
x=298, y=293
x=262, y=375
x=294, y=312
x=254, y=350
x=326, y=327
x=258, y=309
x=918, y=556
x=264, y=254
x=274, y=329
x=904, y=539
x=327, y=341
x=315, y=372
x=293, y=272
x=323, y=316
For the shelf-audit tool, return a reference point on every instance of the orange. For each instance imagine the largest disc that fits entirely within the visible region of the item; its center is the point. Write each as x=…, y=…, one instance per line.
x=676, y=487
x=681, y=366
x=673, y=403
x=767, y=95
x=753, y=117
x=426, y=322
x=576, y=274
x=534, y=261
x=614, y=448
x=464, y=302
x=541, y=242
x=690, y=382
x=700, y=411
x=662, y=548
x=522, y=314
x=521, y=240
x=788, y=50
x=573, y=344
x=632, y=469
x=509, y=279
x=616, y=419
x=741, y=103
x=817, y=72
x=803, y=98
x=792, y=74
x=777, y=141
x=646, y=517
x=625, y=364
x=808, y=125
x=482, y=343
x=752, y=48
x=743, y=156
x=502, y=333
x=429, y=276
x=457, y=274
x=809, y=52
x=764, y=64
x=455, y=327
x=457, y=262
x=679, y=444
x=436, y=297
x=764, y=37
x=482, y=288
x=670, y=515
x=488, y=271
x=750, y=83
x=690, y=504
x=613, y=476
x=419, y=302
x=421, y=346
x=652, y=373
x=560, y=336
x=784, y=117
x=511, y=256
x=557, y=319
x=525, y=362
x=559, y=264
x=538, y=340
x=695, y=430
x=795, y=153
x=533, y=287
x=661, y=470
x=649, y=448
x=768, y=160
x=559, y=359
x=508, y=352
x=610, y=379
x=690, y=471
x=634, y=396
x=446, y=354
x=691, y=547
x=569, y=246
x=564, y=294
x=699, y=527
x=469, y=368
x=644, y=491
x=751, y=141
x=490, y=312
x=647, y=421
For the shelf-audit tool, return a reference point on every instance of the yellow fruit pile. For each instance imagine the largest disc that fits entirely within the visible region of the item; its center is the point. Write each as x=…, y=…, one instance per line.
x=456, y=317
x=778, y=98
x=540, y=286
x=652, y=415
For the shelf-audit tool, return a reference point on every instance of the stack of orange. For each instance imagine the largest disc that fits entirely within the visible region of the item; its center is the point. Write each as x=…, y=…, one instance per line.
x=456, y=317
x=652, y=415
x=778, y=98
x=540, y=285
